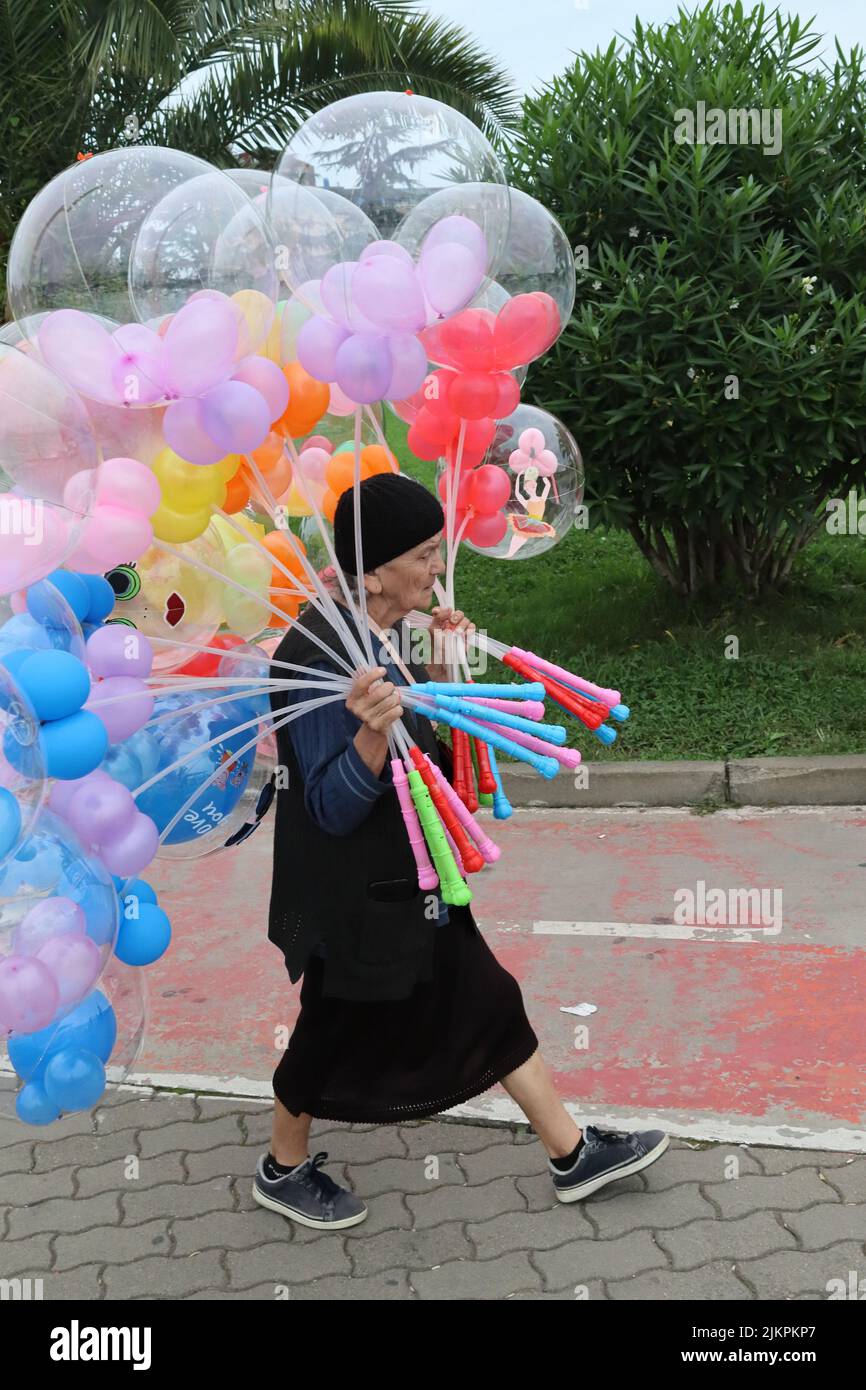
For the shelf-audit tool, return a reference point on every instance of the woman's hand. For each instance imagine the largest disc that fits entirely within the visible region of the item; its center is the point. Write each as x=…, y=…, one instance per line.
x=447, y=621
x=376, y=705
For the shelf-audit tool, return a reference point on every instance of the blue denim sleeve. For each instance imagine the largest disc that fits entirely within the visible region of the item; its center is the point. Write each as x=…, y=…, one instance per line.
x=340, y=791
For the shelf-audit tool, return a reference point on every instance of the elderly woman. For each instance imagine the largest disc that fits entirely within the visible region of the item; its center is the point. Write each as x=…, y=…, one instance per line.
x=405, y=1010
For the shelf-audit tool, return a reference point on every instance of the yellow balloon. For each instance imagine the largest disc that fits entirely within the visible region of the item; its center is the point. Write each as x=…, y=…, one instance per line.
x=270, y=348
x=294, y=503
x=259, y=316
x=228, y=467
x=179, y=526
x=229, y=536
x=187, y=487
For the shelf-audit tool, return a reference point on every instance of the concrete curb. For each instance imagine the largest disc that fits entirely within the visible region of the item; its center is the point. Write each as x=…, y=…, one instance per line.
x=832, y=781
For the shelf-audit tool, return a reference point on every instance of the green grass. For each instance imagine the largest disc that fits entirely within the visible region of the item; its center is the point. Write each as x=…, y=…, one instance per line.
x=593, y=605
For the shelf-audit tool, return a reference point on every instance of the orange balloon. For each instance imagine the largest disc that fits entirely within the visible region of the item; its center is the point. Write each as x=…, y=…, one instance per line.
x=329, y=504
x=286, y=601
x=237, y=494
x=269, y=452
x=288, y=549
x=340, y=472
x=378, y=460
x=308, y=401
x=278, y=479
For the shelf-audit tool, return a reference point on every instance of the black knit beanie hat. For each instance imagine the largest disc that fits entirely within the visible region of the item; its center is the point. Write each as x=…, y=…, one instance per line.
x=397, y=513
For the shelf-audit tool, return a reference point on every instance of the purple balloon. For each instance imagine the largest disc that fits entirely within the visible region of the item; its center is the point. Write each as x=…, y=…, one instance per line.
x=389, y=293
x=335, y=290
x=131, y=852
x=74, y=961
x=101, y=808
x=201, y=345
x=139, y=376
x=121, y=717
x=184, y=432
x=462, y=230
x=451, y=274
x=117, y=650
x=236, y=417
x=410, y=366
x=364, y=367
x=28, y=995
x=266, y=378
x=50, y=917
x=82, y=352
x=317, y=344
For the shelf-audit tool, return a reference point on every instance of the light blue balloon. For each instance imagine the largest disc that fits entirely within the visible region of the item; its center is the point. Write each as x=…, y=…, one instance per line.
x=56, y=683
x=73, y=746
x=10, y=822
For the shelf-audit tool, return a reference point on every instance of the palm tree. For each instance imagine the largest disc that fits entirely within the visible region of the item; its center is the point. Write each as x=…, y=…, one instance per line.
x=228, y=80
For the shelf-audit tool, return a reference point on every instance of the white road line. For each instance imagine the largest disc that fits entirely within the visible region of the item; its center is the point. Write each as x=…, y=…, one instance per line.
x=659, y=931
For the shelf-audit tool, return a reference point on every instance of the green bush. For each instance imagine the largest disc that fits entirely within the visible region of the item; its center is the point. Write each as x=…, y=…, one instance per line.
x=714, y=371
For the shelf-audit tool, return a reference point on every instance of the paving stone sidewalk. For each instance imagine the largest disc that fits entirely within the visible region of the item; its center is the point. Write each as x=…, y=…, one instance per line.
x=149, y=1198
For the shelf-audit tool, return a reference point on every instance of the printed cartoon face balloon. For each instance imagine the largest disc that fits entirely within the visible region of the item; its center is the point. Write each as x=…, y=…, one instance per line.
x=173, y=600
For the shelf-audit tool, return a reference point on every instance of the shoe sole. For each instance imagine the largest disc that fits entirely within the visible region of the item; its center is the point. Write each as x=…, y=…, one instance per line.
x=273, y=1205
x=585, y=1189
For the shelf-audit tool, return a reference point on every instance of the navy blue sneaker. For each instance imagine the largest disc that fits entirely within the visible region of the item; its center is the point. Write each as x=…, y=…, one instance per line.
x=309, y=1196
x=605, y=1156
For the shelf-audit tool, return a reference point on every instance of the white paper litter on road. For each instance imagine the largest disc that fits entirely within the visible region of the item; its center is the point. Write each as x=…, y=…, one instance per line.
x=582, y=1009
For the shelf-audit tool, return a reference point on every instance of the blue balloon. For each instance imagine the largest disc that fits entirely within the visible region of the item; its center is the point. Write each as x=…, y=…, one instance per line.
x=186, y=735
x=10, y=822
x=140, y=892
x=101, y=598
x=72, y=587
x=56, y=683
x=33, y=1106
x=74, y=1079
x=90, y=1027
x=123, y=764
x=73, y=746
x=21, y=633
x=143, y=938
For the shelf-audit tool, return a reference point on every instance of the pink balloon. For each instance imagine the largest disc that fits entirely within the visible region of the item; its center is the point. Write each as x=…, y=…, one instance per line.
x=139, y=375
x=185, y=433
x=313, y=463
x=122, y=717
x=79, y=491
x=117, y=650
x=319, y=441
x=82, y=352
x=266, y=377
x=461, y=230
x=236, y=417
x=99, y=807
x=386, y=248
x=132, y=852
x=25, y=559
x=126, y=483
x=29, y=995
x=75, y=962
x=340, y=404
x=200, y=346
x=50, y=917
x=113, y=536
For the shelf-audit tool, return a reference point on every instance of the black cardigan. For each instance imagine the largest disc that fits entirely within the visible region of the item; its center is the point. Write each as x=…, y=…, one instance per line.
x=375, y=950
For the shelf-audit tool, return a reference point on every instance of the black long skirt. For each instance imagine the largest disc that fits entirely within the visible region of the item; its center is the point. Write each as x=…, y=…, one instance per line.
x=383, y=1062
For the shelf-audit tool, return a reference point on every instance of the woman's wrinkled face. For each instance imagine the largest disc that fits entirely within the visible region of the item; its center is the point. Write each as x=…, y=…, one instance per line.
x=407, y=581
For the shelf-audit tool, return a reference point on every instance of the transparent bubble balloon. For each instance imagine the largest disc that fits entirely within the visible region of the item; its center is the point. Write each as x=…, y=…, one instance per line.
x=542, y=482
x=386, y=152
x=73, y=245
x=22, y=768
x=205, y=234
x=174, y=599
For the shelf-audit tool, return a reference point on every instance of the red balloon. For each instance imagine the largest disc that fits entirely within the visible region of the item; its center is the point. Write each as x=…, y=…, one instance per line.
x=464, y=341
x=478, y=435
x=486, y=530
x=473, y=395
x=429, y=435
x=436, y=392
x=491, y=488
x=509, y=395
x=462, y=500
x=526, y=327
x=207, y=663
